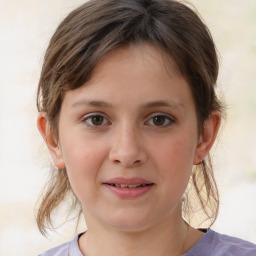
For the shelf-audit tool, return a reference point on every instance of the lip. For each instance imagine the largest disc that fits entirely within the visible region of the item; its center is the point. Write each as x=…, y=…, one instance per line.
x=128, y=181
x=128, y=193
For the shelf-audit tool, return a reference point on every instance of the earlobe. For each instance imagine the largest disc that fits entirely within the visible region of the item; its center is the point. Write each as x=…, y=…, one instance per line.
x=210, y=131
x=50, y=140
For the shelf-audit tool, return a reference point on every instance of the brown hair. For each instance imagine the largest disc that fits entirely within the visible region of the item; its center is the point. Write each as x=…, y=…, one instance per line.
x=100, y=26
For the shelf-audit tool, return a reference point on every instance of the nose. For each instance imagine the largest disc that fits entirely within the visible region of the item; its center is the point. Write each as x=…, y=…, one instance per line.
x=127, y=148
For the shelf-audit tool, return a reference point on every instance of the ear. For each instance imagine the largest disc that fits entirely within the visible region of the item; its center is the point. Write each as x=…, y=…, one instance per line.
x=207, y=138
x=50, y=140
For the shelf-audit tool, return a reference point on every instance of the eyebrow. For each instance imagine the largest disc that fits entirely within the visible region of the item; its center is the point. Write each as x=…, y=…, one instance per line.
x=161, y=103
x=93, y=103
x=157, y=103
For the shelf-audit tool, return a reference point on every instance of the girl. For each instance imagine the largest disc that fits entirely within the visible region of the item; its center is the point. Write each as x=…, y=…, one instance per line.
x=128, y=110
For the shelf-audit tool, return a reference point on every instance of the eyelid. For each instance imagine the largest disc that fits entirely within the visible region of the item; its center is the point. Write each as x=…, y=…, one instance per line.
x=168, y=116
x=88, y=116
x=161, y=114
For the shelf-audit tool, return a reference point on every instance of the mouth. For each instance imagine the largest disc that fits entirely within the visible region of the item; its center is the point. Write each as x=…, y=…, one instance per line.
x=129, y=185
x=129, y=188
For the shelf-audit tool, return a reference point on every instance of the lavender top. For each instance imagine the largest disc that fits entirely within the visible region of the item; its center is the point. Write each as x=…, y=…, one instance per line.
x=211, y=244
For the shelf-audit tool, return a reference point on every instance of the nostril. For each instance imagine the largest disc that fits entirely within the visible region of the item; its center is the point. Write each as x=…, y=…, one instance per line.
x=127, y=157
x=126, y=163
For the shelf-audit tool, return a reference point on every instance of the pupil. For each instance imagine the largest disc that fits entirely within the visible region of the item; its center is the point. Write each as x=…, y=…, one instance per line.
x=159, y=120
x=97, y=120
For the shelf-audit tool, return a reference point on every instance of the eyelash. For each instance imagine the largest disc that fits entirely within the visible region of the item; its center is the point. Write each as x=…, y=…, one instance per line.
x=89, y=117
x=166, y=117
x=170, y=120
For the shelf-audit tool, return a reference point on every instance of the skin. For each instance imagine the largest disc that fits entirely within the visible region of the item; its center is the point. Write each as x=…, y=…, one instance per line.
x=134, y=137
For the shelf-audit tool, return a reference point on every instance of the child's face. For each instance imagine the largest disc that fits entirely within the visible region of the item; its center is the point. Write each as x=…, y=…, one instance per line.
x=133, y=122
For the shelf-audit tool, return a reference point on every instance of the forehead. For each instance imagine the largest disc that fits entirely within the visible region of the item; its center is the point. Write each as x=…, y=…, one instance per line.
x=140, y=54
x=137, y=73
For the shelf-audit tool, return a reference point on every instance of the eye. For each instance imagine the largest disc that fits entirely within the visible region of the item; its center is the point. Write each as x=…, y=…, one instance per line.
x=95, y=120
x=160, y=120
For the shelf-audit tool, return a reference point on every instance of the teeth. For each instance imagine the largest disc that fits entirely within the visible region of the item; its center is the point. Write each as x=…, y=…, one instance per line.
x=129, y=186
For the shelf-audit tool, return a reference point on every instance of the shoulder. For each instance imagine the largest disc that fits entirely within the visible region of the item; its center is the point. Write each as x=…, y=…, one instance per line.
x=216, y=244
x=66, y=249
x=61, y=250
x=233, y=246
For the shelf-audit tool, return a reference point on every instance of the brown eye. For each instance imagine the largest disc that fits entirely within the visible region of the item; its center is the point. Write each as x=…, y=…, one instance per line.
x=161, y=121
x=95, y=120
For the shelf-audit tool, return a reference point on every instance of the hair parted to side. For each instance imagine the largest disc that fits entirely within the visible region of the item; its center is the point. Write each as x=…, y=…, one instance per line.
x=99, y=26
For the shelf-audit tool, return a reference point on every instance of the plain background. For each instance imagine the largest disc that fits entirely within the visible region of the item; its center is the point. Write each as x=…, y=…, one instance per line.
x=25, y=29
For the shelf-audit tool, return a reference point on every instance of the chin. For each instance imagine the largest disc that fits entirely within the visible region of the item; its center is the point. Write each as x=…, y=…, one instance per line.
x=130, y=222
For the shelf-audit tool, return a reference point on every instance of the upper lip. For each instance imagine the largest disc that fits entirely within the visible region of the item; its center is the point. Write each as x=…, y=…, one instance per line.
x=127, y=181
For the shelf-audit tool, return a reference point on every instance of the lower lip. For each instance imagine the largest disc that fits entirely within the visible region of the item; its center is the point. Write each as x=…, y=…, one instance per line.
x=129, y=193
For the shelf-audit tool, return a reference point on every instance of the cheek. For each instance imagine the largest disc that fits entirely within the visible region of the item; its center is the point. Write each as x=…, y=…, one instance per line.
x=174, y=162
x=83, y=161
x=176, y=153
x=82, y=150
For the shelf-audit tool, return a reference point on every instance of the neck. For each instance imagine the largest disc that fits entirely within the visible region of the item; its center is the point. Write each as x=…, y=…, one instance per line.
x=165, y=238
